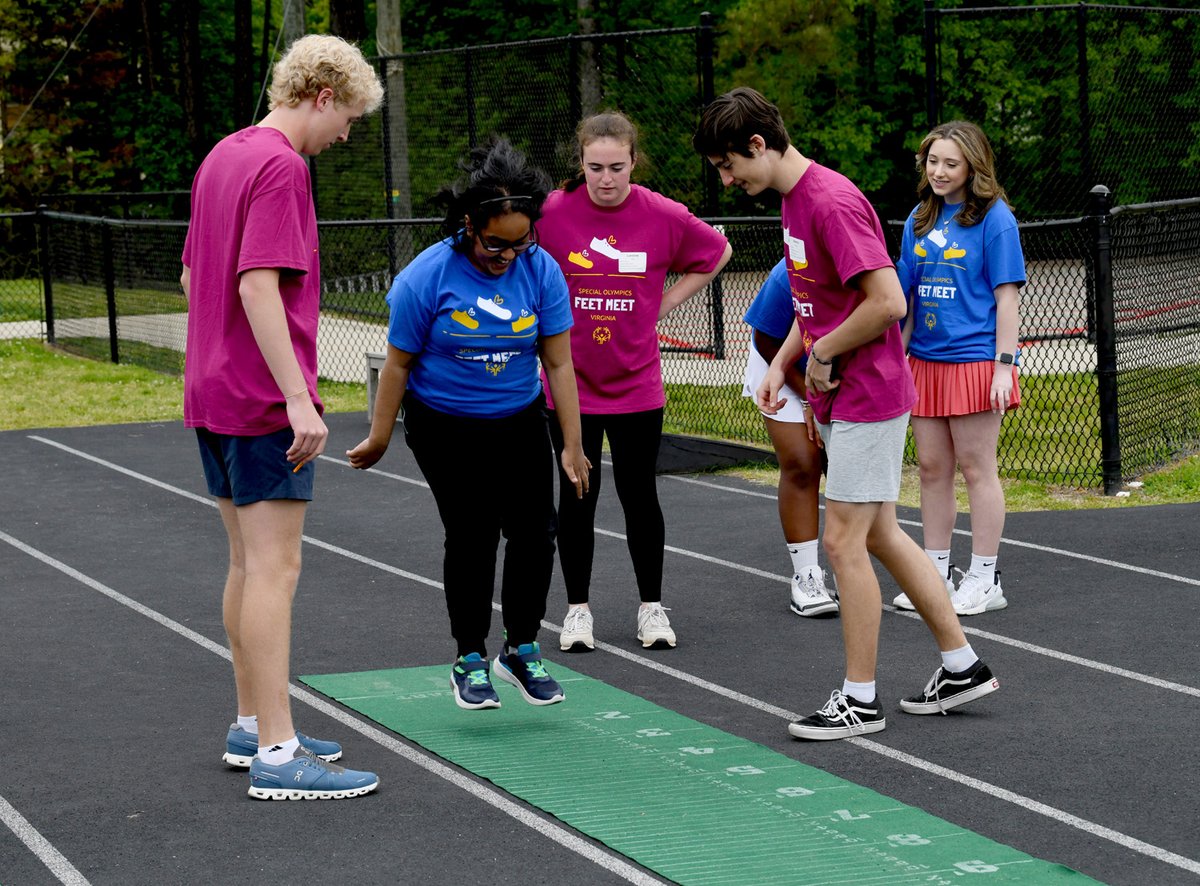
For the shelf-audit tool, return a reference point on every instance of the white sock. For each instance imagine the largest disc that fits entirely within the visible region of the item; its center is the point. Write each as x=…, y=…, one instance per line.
x=941, y=559
x=803, y=554
x=864, y=692
x=984, y=567
x=279, y=753
x=248, y=724
x=958, y=660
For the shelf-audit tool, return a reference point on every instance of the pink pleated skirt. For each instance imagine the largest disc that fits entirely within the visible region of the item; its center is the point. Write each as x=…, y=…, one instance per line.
x=946, y=389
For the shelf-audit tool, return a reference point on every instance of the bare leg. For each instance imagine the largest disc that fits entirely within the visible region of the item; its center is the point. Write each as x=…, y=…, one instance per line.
x=936, y=458
x=917, y=577
x=975, y=439
x=799, y=479
x=258, y=608
x=846, y=528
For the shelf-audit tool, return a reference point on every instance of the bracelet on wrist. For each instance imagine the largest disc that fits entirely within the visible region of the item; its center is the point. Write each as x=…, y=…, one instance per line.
x=813, y=354
x=297, y=394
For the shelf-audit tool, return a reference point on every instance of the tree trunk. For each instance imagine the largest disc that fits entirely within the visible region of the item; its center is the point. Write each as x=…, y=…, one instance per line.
x=348, y=19
x=192, y=87
x=243, y=65
x=589, y=70
x=293, y=22
x=389, y=43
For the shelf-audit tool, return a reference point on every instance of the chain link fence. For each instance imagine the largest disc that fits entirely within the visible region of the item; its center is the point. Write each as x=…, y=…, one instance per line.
x=1071, y=95
x=440, y=103
x=113, y=294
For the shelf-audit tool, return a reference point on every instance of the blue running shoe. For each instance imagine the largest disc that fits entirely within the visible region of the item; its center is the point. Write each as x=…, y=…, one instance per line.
x=307, y=777
x=524, y=669
x=472, y=684
x=241, y=746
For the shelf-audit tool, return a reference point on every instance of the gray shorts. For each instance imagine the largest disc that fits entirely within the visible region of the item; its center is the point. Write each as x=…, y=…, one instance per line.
x=864, y=459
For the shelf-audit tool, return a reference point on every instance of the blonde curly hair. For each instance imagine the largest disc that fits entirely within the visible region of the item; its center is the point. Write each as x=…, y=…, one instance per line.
x=317, y=61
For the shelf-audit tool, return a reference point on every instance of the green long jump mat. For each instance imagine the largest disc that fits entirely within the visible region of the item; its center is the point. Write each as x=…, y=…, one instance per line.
x=690, y=802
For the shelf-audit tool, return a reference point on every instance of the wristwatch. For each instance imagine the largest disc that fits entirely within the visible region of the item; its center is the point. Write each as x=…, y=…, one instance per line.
x=1005, y=358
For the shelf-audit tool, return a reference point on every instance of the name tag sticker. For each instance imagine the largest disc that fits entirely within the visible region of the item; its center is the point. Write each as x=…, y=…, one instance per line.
x=796, y=250
x=632, y=263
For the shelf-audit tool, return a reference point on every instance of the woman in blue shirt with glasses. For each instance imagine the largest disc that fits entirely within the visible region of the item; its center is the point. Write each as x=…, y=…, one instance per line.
x=470, y=318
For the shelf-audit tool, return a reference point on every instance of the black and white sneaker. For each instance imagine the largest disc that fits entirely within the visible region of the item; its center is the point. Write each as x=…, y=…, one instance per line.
x=947, y=689
x=842, y=717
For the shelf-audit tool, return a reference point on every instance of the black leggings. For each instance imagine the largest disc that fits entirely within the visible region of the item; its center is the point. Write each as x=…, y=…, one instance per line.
x=489, y=476
x=633, y=440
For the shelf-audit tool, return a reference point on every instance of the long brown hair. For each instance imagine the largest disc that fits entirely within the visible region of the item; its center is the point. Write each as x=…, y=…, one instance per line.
x=607, y=124
x=982, y=189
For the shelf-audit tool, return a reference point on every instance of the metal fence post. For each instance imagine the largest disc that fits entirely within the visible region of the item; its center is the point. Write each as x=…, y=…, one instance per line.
x=1099, y=222
x=43, y=223
x=932, y=111
x=1085, y=111
x=704, y=59
x=110, y=288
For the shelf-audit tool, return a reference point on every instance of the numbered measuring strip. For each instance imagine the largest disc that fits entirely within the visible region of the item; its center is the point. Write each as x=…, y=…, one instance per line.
x=691, y=802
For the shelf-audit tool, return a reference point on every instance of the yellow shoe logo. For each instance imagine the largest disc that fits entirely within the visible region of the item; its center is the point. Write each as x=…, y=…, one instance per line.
x=799, y=265
x=954, y=253
x=920, y=250
x=578, y=258
x=523, y=323
x=465, y=319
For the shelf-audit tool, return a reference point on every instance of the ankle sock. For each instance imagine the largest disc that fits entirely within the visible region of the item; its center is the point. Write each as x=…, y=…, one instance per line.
x=803, y=554
x=959, y=660
x=984, y=567
x=941, y=560
x=279, y=753
x=864, y=692
x=248, y=724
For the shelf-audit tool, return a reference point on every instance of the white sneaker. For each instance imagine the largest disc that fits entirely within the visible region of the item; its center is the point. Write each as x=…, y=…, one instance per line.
x=902, y=601
x=975, y=595
x=810, y=596
x=577, y=630
x=654, y=628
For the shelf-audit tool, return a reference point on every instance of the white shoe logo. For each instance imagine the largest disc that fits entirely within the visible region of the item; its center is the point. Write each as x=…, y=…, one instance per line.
x=299, y=774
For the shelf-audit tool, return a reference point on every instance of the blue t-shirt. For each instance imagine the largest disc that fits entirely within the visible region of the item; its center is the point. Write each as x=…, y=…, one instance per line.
x=950, y=276
x=772, y=312
x=477, y=334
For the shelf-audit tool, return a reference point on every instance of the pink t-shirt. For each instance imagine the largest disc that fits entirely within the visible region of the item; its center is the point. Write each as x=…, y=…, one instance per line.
x=616, y=261
x=252, y=207
x=831, y=234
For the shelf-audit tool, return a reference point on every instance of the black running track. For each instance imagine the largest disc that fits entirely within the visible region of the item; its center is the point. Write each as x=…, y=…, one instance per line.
x=116, y=696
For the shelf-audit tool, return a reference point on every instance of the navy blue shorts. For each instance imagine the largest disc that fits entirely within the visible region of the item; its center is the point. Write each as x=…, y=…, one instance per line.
x=250, y=469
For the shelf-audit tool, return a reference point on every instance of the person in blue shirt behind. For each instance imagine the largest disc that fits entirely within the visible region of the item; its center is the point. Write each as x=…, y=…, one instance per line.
x=470, y=317
x=797, y=445
x=961, y=267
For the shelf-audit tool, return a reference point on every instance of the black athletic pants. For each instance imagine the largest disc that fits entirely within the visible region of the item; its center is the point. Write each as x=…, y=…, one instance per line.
x=633, y=441
x=489, y=477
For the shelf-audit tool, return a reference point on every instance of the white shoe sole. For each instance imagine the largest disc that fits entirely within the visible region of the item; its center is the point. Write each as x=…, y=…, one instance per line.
x=826, y=608
x=577, y=644
x=467, y=706
x=289, y=794
x=818, y=733
x=657, y=642
x=498, y=670
x=992, y=605
x=937, y=707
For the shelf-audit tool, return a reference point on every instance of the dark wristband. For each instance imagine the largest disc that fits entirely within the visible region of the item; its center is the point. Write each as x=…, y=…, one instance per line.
x=813, y=354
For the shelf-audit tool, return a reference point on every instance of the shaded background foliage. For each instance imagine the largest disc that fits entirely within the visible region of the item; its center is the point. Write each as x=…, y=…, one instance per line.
x=1071, y=95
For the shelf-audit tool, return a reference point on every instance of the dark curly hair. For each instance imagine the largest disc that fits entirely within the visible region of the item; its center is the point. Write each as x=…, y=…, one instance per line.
x=496, y=179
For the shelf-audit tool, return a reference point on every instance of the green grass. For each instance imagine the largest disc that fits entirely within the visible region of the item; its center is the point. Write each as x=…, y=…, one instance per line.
x=41, y=387
x=20, y=300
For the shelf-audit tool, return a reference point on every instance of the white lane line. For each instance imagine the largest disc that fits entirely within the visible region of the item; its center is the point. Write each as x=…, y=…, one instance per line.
x=66, y=872
x=1058, y=552
x=565, y=838
x=925, y=765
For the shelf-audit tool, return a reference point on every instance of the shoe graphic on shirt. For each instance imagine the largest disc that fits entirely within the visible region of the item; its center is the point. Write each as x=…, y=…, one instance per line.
x=494, y=309
x=524, y=322
x=920, y=250
x=578, y=258
x=605, y=248
x=952, y=252
x=465, y=319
